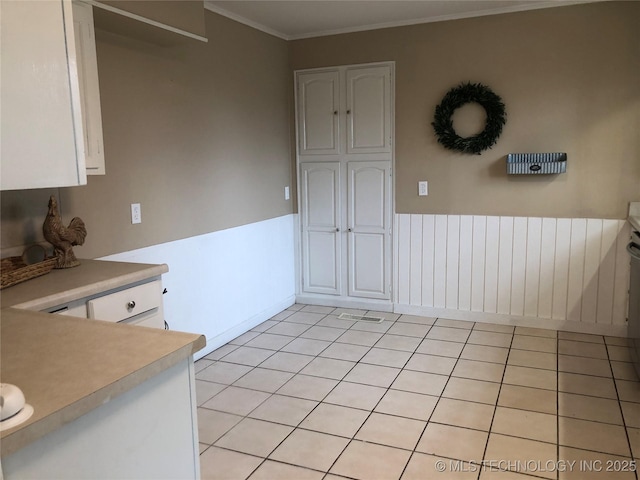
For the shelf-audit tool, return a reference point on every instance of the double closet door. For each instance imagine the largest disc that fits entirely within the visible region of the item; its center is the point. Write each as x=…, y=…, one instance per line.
x=345, y=158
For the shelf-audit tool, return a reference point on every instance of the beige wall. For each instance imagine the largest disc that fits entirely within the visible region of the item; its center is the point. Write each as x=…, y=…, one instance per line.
x=23, y=213
x=198, y=134
x=570, y=80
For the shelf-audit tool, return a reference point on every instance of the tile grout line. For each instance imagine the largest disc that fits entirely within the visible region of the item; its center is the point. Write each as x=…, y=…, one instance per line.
x=557, y=401
x=413, y=452
x=378, y=402
x=222, y=359
x=247, y=415
x=321, y=401
x=356, y=363
x=418, y=371
x=295, y=427
x=624, y=422
x=387, y=389
x=411, y=354
x=495, y=406
x=421, y=371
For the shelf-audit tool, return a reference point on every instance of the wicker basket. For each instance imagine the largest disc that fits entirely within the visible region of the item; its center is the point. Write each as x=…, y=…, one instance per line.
x=14, y=270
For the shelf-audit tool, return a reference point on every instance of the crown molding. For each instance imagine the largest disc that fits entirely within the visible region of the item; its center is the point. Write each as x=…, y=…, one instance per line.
x=209, y=5
x=245, y=21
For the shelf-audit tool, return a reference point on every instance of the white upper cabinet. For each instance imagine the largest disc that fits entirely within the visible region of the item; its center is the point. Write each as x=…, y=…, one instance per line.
x=318, y=113
x=368, y=110
x=42, y=129
x=344, y=110
x=87, y=63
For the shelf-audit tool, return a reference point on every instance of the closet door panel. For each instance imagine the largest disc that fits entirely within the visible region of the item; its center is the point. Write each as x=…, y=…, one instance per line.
x=369, y=110
x=369, y=217
x=321, y=246
x=318, y=114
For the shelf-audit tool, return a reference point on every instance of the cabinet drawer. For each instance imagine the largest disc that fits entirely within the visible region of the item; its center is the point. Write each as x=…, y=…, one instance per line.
x=152, y=318
x=73, y=311
x=126, y=303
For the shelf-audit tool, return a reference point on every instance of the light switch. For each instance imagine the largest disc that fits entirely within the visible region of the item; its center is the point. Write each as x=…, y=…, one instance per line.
x=286, y=193
x=423, y=188
x=136, y=213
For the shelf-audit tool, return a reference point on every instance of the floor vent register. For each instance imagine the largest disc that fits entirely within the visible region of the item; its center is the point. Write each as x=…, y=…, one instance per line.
x=360, y=318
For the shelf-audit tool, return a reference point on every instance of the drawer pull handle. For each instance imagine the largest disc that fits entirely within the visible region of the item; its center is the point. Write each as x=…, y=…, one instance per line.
x=131, y=305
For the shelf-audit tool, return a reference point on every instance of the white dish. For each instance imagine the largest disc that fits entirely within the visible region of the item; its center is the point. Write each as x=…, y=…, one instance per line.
x=11, y=400
x=20, y=417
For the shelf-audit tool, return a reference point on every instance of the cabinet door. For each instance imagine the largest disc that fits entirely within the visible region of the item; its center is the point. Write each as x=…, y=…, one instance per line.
x=369, y=236
x=320, y=205
x=318, y=114
x=41, y=125
x=369, y=109
x=87, y=63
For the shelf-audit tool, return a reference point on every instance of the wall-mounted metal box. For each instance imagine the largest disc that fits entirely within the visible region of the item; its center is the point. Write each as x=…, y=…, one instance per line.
x=536, y=163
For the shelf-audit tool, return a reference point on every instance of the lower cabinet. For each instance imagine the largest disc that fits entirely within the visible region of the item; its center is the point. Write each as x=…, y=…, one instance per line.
x=149, y=432
x=139, y=305
x=132, y=304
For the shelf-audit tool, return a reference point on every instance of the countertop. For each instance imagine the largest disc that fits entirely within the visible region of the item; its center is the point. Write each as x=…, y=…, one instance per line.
x=68, y=366
x=65, y=285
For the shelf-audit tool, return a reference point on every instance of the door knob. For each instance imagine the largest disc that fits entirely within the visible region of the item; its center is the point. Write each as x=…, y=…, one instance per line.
x=337, y=229
x=131, y=305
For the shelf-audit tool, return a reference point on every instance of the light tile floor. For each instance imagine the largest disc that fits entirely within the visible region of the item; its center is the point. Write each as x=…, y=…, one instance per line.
x=306, y=395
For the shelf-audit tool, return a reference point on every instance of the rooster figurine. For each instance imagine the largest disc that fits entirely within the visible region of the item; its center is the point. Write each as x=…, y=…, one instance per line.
x=63, y=238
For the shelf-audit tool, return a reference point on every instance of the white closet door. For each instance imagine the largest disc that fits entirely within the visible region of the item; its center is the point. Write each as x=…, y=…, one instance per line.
x=320, y=191
x=369, y=217
x=318, y=115
x=369, y=109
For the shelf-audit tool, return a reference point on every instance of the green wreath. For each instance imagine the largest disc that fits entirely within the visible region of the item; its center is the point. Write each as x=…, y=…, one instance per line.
x=459, y=96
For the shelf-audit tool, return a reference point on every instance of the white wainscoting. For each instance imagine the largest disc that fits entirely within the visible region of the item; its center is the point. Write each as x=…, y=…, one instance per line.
x=224, y=283
x=562, y=273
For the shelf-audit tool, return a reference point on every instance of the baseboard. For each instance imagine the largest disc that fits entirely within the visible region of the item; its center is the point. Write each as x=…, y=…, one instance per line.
x=225, y=337
x=331, y=301
x=502, y=319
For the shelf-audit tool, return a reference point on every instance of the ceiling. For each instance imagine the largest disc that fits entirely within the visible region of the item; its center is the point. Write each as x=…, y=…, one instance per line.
x=295, y=19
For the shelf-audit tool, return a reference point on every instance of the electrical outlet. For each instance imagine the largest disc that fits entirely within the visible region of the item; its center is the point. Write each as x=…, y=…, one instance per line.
x=136, y=213
x=286, y=193
x=423, y=188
